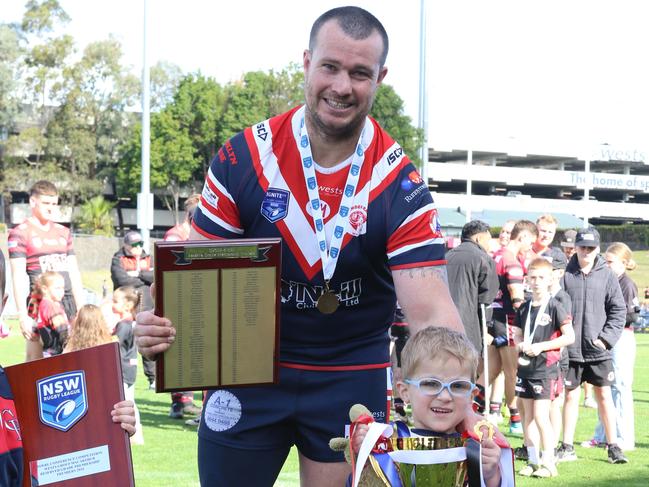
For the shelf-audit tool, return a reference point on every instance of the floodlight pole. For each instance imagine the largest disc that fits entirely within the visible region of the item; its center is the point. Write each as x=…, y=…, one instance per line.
x=423, y=96
x=145, y=198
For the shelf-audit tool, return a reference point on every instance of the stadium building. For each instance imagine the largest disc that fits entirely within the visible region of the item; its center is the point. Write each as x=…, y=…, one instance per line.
x=609, y=186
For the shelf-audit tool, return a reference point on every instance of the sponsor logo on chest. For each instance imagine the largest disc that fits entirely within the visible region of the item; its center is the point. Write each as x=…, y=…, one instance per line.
x=274, y=206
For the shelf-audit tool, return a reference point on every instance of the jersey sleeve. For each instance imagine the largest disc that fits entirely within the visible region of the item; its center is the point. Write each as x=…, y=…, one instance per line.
x=17, y=243
x=414, y=231
x=514, y=272
x=217, y=214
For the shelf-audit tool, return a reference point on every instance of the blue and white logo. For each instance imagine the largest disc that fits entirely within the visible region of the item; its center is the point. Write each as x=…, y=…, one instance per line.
x=311, y=182
x=344, y=211
x=304, y=141
x=349, y=190
x=323, y=245
x=318, y=224
x=315, y=204
x=359, y=150
x=333, y=252
x=307, y=162
x=274, y=207
x=62, y=399
x=338, y=231
x=355, y=169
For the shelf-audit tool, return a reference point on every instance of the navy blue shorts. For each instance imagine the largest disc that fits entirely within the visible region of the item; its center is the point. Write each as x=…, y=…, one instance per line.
x=253, y=429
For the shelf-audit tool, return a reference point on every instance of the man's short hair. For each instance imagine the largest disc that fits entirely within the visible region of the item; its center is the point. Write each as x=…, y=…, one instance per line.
x=43, y=188
x=473, y=228
x=355, y=22
x=524, y=226
x=546, y=217
x=429, y=342
x=540, y=263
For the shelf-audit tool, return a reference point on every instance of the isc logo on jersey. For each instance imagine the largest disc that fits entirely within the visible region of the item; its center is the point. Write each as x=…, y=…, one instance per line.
x=62, y=399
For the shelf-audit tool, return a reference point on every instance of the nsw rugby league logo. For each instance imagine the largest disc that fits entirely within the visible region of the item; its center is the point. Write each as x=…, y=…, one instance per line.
x=62, y=399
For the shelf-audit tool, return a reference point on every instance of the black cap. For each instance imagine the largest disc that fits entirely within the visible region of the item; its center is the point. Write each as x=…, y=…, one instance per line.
x=587, y=237
x=569, y=238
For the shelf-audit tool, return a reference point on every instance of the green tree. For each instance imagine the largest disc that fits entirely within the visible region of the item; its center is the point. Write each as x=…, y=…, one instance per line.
x=10, y=52
x=258, y=96
x=388, y=111
x=165, y=78
x=94, y=217
x=92, y=120
x=172, y=161
x=198, y=106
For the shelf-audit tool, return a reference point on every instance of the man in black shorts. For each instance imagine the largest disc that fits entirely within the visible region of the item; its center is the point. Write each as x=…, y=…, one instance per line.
x=599, y=312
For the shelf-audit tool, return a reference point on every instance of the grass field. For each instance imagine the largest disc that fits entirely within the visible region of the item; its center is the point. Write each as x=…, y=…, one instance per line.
x=168, y=457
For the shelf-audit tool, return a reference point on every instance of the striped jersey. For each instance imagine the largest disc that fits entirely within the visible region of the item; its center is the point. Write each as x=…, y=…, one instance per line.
x=255, y=188
x=45, y=249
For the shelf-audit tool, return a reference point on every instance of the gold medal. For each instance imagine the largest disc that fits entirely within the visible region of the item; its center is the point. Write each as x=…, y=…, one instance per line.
x=327, y=302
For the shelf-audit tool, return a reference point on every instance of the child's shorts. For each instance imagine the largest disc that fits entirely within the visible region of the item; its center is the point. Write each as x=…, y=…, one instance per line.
x=538, y=388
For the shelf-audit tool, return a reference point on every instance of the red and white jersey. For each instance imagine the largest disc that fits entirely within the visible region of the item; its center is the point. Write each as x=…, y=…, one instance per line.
x=45, y=249
x=255, y=188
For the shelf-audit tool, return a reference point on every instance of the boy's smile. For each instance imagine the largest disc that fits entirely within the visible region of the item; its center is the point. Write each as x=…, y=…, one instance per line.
x=443, y=412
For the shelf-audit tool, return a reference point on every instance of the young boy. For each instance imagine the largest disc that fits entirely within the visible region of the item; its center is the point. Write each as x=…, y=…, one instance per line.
x=545, y=327
x=439, y=369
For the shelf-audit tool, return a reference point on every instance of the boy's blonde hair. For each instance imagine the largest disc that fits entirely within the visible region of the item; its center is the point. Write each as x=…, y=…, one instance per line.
x=430, y=342
x=539, y=264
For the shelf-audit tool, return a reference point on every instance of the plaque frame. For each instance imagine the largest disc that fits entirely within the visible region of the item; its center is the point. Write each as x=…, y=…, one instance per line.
x=93, y=430
x=218, y=255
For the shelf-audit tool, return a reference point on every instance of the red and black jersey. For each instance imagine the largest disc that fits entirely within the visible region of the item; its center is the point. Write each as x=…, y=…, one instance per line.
x=547, y=327
x=510, y=271
x=11, y=446
x=44, y=248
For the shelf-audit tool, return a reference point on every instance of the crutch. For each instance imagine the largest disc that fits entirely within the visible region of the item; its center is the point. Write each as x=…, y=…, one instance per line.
x=485, y=356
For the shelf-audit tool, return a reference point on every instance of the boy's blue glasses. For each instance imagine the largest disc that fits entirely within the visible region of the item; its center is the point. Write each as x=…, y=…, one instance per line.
x=431, y=386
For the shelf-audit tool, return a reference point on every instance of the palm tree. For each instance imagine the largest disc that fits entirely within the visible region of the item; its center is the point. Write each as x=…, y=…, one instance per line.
x=95, y=217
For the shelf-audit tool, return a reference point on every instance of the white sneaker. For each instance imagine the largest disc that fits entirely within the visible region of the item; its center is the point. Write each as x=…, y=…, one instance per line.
x=495, y=418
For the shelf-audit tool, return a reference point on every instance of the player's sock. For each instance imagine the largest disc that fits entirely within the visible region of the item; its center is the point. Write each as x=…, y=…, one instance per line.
x=532, y=455
x=547, y=457
x=514, y=416
x=494, y=407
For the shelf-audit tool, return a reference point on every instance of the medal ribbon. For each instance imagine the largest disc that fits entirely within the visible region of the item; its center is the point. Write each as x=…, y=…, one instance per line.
x=527, y=336
x=329, y=254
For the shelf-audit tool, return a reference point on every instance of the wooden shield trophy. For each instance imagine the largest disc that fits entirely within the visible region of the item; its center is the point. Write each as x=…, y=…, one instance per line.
x=63, y=405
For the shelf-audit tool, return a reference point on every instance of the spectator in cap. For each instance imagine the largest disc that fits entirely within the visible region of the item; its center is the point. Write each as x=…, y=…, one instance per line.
x=568, y=243
x=598, y=312
x=131, y=266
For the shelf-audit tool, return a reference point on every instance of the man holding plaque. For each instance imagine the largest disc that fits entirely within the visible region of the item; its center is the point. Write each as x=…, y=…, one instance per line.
x=359, y=229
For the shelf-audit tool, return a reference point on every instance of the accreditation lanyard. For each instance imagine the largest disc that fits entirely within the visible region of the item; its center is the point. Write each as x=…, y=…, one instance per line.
x=527, y=336
x=329, y=254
